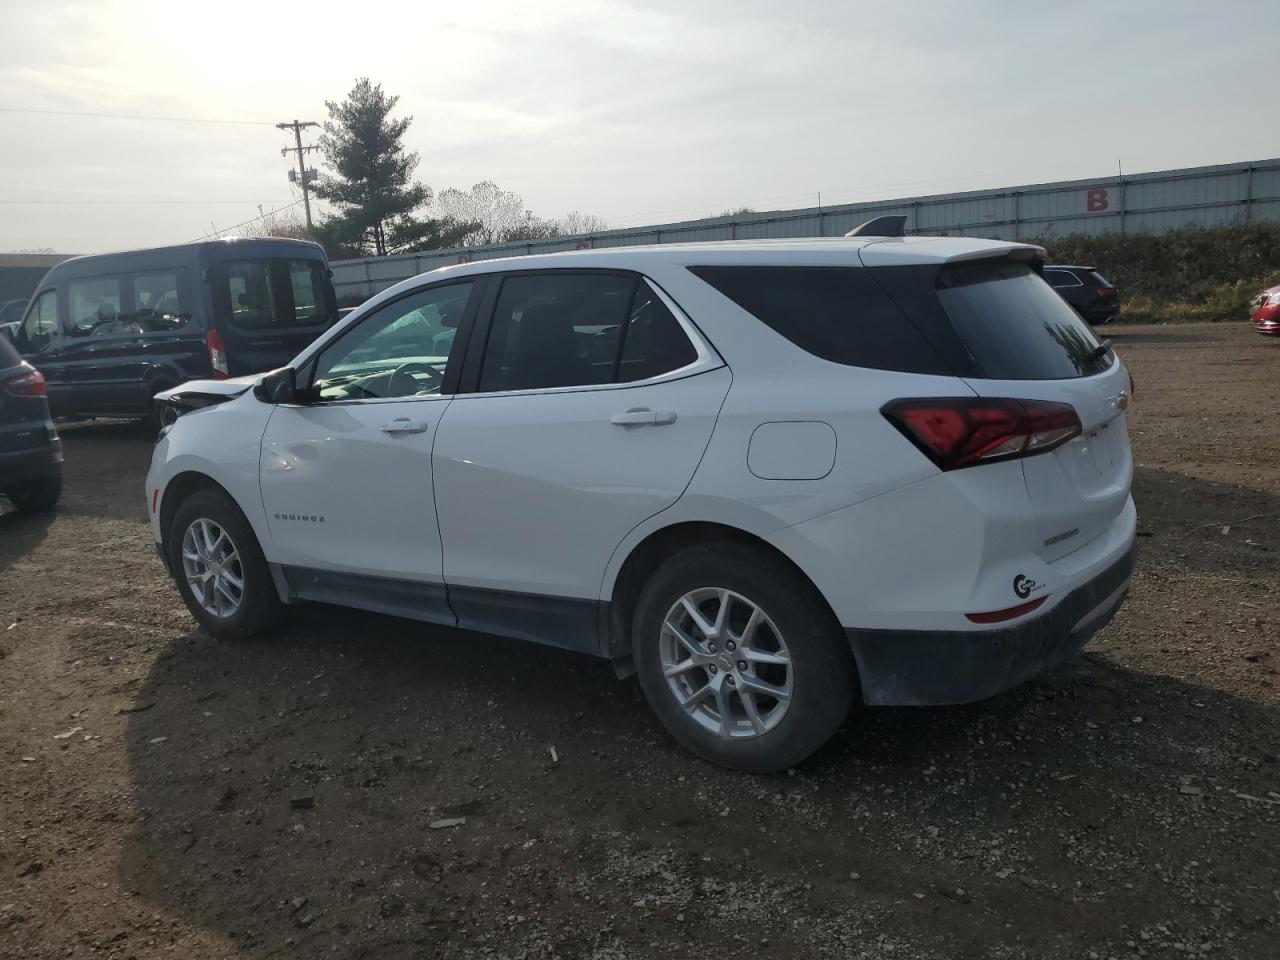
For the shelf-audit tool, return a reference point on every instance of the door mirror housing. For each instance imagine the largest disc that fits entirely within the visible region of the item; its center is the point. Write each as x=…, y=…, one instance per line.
x=279, y=386
x=9, y=332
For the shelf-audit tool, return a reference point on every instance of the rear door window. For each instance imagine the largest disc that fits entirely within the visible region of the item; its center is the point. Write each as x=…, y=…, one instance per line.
x=1015, y=325
x=836, y=313
x=41, y=321
x=654, y=343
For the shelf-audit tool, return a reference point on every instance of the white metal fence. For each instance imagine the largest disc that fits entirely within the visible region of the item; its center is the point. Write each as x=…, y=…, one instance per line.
x=1213, y=196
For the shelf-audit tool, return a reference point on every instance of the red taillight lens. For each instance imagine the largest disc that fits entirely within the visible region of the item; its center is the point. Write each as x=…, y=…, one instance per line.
x=957, y=432
x=29, y=383
x=1106, y=291
x=217, y=354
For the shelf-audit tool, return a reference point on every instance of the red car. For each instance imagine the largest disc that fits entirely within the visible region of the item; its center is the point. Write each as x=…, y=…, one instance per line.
x=1265, y=313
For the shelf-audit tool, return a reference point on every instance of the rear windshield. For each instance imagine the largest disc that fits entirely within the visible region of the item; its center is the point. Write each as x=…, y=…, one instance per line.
x=1101, y=279
x=8, y=356
x=269, y=294
x=1015, y=325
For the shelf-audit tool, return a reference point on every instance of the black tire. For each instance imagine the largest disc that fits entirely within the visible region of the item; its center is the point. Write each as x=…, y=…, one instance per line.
x=823, y=673
x=260, y=607
x=37, y=495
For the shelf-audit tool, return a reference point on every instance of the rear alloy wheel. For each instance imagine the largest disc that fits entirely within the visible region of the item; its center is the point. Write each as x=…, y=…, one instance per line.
x=219, y=567
x=740, y=657
x=726, y=663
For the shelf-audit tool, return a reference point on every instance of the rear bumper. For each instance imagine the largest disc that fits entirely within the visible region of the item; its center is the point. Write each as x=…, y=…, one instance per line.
x=944, y=667
x=25, y=466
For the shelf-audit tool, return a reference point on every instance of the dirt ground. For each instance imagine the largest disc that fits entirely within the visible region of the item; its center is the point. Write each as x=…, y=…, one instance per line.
x=165, y=795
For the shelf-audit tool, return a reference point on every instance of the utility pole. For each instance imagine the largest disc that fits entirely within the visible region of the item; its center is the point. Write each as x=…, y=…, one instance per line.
x=304, y=177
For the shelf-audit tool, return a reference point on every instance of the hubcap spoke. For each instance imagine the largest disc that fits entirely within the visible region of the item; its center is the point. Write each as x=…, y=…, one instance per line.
x=705, y=626
x=752, y=710
x=684, y=666
x=725, y=711
x=764, y=656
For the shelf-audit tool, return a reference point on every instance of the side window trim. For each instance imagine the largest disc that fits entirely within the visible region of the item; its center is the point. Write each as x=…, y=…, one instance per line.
x=707, y=357
x=448, y=385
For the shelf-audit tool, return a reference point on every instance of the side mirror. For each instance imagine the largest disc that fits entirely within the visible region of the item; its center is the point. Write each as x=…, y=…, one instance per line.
x=278, y=386
x=10, y=333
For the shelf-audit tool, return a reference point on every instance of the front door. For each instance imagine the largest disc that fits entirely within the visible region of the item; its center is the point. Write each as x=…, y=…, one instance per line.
x=346, y=476
x=592, y=409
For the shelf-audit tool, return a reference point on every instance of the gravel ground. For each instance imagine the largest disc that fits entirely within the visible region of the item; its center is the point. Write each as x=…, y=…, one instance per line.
x=163, y=795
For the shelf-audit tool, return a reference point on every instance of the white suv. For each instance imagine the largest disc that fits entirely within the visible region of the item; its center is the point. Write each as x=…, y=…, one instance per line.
x=772, y=478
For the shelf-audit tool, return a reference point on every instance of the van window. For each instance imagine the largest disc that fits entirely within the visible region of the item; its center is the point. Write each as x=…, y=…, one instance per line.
x=306, y=280
x=95, y=306
x=160, y=301
x=253, y=305
x=41, y=321
x=270, y=293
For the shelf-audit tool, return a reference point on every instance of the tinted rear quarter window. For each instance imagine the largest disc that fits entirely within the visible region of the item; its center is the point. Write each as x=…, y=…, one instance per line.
x=1015, y=325
x=837, y=313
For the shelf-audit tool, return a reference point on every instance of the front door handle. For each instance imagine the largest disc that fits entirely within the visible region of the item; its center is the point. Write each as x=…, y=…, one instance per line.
x=643, y=416
x=405, y=425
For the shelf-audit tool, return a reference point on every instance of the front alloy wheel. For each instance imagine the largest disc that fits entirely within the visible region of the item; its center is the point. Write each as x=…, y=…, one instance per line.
x=212, y=567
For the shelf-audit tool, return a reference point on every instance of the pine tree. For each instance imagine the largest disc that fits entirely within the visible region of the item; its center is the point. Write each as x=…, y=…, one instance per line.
x=372, y=182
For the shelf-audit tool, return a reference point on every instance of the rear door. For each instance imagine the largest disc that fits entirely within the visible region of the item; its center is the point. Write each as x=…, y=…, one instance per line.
x=1027, y=344
x=591, y=407
x=269, y=309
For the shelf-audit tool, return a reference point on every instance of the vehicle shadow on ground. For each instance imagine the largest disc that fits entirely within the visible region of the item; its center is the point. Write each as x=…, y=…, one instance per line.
x=104, y=466
x=1182, y=519
x=21, y=532
x=293, y=797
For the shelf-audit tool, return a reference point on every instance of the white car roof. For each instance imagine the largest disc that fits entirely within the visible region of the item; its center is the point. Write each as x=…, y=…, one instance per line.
x=820, y=251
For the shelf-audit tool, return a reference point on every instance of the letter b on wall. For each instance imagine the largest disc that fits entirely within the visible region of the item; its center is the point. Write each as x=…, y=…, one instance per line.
x=1095, y=199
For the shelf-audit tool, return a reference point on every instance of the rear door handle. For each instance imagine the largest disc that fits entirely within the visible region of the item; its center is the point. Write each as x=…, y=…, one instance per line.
x=643, y=416
x=405, y=425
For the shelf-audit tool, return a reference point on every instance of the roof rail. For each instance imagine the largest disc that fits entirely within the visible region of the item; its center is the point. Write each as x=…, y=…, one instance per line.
x=895, y=226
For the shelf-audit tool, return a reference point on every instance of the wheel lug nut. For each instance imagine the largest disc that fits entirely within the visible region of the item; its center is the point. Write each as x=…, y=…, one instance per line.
x=742, y=664
x=711, y=647
x=731, y=646
x=729, y=680
x=712, y=668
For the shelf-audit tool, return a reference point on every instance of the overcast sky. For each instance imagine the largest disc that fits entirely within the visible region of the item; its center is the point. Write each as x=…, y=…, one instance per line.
x=636, y=112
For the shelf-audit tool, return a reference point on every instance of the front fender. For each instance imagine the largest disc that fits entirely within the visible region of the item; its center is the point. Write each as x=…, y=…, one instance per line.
x=234, y=432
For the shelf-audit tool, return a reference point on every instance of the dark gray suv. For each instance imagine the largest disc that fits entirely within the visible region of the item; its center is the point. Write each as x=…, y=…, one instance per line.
x=30, y=451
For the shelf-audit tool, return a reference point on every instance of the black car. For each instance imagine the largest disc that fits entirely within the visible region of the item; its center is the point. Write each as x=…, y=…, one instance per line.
x=30, y=451
x=111, y=331
x=1094, y=297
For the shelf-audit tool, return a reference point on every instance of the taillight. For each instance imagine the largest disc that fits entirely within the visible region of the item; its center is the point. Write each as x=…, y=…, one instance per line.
x=957, y=432
x=1106, y=291
x=217, y=354
x=29, y=383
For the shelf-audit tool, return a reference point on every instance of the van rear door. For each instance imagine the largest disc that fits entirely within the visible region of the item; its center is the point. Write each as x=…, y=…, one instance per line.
x=267, y=309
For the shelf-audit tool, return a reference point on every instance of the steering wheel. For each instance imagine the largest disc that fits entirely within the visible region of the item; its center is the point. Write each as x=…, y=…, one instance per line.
x=402, y=382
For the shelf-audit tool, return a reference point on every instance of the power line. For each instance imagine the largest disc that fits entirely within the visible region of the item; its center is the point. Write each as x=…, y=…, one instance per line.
x=132, y=116
x=126, y=203
x=245, y=223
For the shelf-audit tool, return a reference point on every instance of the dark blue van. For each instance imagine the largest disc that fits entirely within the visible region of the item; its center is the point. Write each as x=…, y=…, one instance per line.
x=111, y=331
